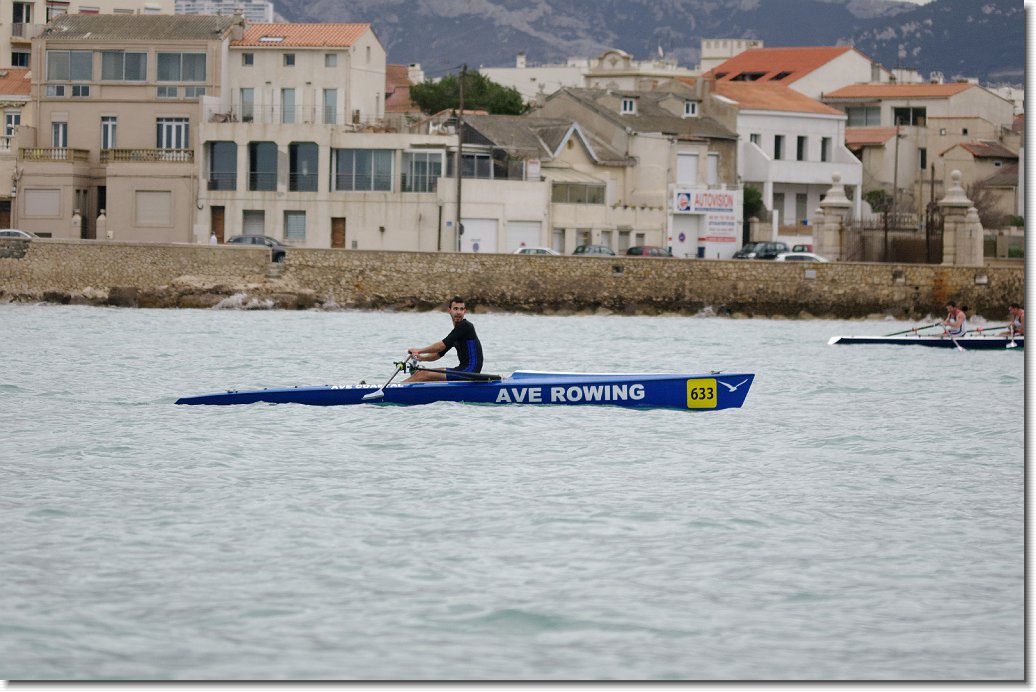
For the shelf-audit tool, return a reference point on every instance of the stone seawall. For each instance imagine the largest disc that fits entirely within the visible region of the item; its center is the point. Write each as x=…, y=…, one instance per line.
x=156, y=275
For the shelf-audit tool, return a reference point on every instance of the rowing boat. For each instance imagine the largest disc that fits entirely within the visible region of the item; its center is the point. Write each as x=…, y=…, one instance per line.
x=707, y=392
x=969, y=342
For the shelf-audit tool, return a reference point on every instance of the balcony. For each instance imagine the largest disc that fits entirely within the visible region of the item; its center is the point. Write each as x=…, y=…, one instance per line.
x=24, y=33
x=58, y=154
x=147, y=156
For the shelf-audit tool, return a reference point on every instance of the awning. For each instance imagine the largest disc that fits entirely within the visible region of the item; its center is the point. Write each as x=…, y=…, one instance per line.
x=569, y=175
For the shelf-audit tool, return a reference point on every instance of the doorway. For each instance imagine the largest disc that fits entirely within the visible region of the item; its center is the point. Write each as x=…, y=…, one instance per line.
x=217, y=219
x=338, y=231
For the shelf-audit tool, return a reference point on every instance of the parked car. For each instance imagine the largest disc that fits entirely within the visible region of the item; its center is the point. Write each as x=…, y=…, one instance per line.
x=277, y=250
x=593, y=250
x=649, y=251
x=530, y=250
x=15, y=233
x=802, y=247
x=761, y=250
x=800, y=257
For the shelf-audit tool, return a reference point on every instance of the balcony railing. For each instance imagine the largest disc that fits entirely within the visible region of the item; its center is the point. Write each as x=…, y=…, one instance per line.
x=297, y=115
x=222, y=181
x=5, y=143
x=147, y=155
x=25, y=31
x=53, y=154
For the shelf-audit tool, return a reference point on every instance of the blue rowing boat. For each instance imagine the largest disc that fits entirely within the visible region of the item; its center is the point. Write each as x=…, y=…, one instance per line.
x=969, y=342
x=708, y=392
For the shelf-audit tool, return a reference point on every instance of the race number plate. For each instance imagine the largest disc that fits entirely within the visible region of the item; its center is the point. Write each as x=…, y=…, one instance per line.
x=701, y=393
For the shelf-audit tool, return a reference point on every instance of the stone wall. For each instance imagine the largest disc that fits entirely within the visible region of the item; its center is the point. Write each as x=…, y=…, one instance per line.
x=154, y=275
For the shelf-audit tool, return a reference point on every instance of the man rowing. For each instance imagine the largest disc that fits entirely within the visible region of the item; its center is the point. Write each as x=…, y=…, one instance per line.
x=1017, y=324
x=956, y=322
x=462, y=338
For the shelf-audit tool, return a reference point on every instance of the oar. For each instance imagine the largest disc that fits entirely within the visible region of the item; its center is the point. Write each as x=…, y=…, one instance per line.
x=914, y=329
x=380, y=392
x=982, y=329
x=959, y=347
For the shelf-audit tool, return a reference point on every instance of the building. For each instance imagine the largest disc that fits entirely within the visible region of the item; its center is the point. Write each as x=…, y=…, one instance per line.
x=900, y=132
x=810, y=70
x=116, y=107
x=28, y=17
x=682, y=191
x=789, y=147
x=716, y=51
x=612, y=69
x=15, y=91
x=259, y=11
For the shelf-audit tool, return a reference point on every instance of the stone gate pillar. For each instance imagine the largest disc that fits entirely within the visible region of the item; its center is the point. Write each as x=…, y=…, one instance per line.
x=835, y=208
x=961, y=228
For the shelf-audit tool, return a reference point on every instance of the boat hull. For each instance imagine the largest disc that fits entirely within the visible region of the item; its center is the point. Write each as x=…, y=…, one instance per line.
x=709, y=392
x=967, y=343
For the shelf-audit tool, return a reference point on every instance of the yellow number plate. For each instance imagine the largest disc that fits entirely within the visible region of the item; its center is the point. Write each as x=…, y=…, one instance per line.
x=701, y=393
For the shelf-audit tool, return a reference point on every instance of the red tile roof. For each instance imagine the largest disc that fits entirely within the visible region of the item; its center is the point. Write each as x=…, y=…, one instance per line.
x=771, y=62
x=303, y=35
x=988, y=150
x=15, y=81
x=898, y=91
x=771, y=97
x=856, y=137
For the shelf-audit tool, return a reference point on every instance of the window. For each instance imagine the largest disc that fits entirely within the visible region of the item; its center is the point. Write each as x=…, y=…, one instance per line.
x=56, y=8
x=368, y=55
x=181, y=67
x=69, y=65
x=289, y=59
x=712, y=171
x=801, y=200
x=222, y=166
x=59, y=135
x=330, y=106
x=755, y=138
x=825, y=148
x=80, y=90
x=800, y=148
x=108, y=127
x=421, y=170
x=167, y=92
x=863, y=116
x=628, y=107
x=362, y=170
x=690, y=109
x=287, y=105
x=302, y=161
x=19, y=58
x=330, y=59
x=778, y=147
x=262, y=166
x=576, y=193
x=172, y=133
x=117, y=66
x=477, y=166
x=922, y=158
x=909, y=116
x=247, y=59
x=687, y=169
x=193, y=92
x=294, y=225
x=748, y=77
x=55, y=90
x=779, y=76
x=12, y=119
x=247, y=105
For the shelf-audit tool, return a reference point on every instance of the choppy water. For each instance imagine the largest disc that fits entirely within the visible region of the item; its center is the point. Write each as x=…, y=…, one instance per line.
x=861, y=518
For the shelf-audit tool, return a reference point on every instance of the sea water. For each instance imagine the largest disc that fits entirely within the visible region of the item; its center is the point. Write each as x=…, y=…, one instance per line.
x=861, y=518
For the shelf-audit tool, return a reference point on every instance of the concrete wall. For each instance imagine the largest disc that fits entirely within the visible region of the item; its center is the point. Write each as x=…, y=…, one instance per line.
x=198, y=276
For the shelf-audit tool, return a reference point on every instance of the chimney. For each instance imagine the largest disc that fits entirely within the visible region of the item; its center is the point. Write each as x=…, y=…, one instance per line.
x=520, y=61
x=237, y=31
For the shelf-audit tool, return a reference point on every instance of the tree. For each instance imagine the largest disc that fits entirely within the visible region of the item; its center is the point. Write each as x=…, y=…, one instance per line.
x=984, y=199
x=880, y=201
x=752, y=202
x=480, y=93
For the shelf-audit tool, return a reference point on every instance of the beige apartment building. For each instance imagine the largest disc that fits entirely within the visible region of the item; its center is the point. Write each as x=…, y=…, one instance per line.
x=24, y=19
x=116, y=108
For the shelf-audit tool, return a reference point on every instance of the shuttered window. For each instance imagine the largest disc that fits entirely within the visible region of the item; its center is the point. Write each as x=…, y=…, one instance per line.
x=154, y=207
x=294, y=225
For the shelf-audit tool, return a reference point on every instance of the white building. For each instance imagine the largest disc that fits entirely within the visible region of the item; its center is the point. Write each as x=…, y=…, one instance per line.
x=809, y=70
x=789, y=147
x=253, y=10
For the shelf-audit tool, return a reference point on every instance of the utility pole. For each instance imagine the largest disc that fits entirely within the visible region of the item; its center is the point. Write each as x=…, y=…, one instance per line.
x=460, y=151
x=895, y=192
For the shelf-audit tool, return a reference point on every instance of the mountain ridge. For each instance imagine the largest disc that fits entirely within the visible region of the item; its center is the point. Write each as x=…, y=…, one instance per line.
x=948, y=36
